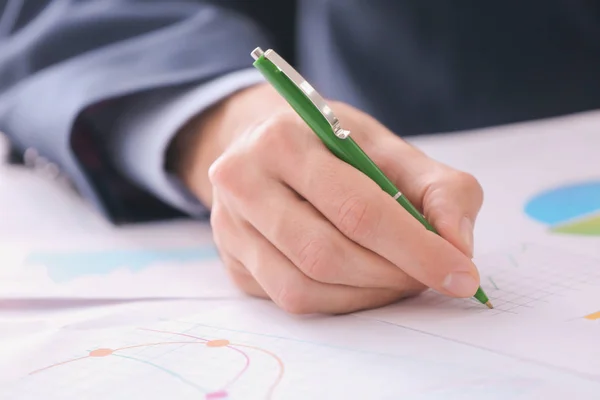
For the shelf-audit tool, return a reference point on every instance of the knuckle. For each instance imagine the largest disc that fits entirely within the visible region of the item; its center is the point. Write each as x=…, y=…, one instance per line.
x=315, y=259
x=224, y=172
x=467, y=181
x=358, y=218
x=218, y=219
x=292, y=299
x=239, y=279
x=469, y=184
x=274, y=136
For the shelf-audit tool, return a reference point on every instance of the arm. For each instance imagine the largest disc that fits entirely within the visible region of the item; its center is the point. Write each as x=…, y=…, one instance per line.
x=68, y=63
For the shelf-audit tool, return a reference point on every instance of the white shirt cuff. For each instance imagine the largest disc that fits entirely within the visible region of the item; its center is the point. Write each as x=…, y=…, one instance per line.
x=142, y=134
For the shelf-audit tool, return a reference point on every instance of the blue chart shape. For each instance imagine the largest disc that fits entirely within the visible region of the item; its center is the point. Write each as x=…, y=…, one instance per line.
x=66, y=266
x=565, y=203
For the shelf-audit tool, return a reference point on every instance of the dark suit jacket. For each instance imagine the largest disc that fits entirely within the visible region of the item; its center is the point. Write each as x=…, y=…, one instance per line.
x=418, y=66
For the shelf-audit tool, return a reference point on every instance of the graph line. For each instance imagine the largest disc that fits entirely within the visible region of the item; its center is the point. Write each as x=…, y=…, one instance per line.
x=281, y=367
x=242, y=371
x=279, y=361
x=152, y=344
x=57, y=364
x=109, y=352
x=168, y=371
x=568, y=370
x=106, y=352
x=238, y=376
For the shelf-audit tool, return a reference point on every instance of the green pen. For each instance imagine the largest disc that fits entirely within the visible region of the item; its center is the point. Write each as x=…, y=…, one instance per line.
x=313, y=109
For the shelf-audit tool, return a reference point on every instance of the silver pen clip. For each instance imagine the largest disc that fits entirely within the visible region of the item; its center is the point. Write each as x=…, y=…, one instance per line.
x=305, y=87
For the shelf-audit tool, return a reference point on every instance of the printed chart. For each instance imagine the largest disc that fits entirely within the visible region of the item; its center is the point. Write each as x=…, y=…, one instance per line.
x=68, y=266
x=523, y=281
x=593, y=316
x=541, y=297
x=187, y=359
x=572, y=209
x=116, y=273
x=174, y=340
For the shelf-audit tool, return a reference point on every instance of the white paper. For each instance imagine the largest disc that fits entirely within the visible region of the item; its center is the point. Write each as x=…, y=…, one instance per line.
x=426, y=348
x=515, y=163
x=91, y=269
x=547, y=310
x=252, y=350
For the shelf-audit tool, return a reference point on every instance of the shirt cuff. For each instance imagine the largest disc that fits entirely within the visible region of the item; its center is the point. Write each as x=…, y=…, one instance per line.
x=142, y=133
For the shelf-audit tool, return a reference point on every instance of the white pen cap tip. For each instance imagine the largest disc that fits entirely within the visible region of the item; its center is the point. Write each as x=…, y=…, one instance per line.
x=257, y=53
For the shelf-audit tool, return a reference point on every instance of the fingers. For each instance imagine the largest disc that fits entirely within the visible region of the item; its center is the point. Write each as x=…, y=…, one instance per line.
x=298, y=230
x=451, y=199
x=241, y=277
x=296, y=293
x=223, y=223
x=361, y=211
x=312, y=244
x=285, y=150
x=286, y=285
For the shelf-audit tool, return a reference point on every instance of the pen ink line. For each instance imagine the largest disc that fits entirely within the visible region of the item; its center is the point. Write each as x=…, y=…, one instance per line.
x=589, y=377
x=493, y=283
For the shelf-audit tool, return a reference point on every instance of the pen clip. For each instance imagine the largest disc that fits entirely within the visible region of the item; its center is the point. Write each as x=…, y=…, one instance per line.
x=305, y=87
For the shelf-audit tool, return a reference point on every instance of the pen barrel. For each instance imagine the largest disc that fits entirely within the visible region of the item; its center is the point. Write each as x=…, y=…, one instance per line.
x=361, y=161
x=345, y=149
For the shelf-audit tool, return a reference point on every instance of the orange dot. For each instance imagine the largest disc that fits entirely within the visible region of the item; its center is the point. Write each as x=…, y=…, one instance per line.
x=101, y=352
x=218, y=343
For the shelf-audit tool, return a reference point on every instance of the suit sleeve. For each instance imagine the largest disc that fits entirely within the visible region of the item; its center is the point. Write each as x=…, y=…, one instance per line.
x=74, y=61
x=138, y=140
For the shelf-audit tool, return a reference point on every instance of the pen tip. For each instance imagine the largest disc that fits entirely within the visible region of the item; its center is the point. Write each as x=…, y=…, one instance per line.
x=488, y=304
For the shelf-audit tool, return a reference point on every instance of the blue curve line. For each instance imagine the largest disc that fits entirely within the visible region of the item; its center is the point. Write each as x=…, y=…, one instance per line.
x=66, y=266
x=565, y=203
x=174, y=374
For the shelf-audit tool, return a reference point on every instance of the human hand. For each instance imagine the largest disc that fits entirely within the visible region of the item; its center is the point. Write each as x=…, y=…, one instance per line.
x=295, y=224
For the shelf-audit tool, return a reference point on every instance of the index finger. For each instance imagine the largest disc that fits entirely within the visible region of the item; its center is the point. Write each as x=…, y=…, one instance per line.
x=363, y=212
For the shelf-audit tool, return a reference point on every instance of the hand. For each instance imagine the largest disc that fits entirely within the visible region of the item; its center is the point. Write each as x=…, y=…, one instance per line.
x=295, y=224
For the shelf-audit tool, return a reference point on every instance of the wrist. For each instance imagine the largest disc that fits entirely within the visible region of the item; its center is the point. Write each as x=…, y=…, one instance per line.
x=205, y=137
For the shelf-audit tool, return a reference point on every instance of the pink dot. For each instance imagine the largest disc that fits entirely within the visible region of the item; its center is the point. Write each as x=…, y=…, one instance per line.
x=221, y=394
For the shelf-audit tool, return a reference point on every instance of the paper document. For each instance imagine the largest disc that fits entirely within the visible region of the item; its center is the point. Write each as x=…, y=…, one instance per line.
x=114, y=267
x=547, y=310
x=540, y=342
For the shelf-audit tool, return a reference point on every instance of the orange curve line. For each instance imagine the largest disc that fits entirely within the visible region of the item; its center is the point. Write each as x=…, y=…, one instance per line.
x=57, y=364
x=231, y=382
x=276, y=357
x=281, y=365
x=271, y=389
x=114, y=350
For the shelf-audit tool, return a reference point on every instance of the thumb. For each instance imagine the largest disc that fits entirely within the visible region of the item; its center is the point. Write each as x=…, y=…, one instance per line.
x=450, y=201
